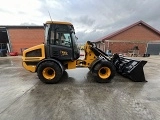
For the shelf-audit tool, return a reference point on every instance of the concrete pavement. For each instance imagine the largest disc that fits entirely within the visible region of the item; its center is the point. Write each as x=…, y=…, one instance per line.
x=78, y=96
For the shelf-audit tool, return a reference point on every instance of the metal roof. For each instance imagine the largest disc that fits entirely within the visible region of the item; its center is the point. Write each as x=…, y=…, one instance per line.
x=20, y=26
x=58, y=22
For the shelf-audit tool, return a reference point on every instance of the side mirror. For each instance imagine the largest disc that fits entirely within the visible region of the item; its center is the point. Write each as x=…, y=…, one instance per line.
x=76, y=38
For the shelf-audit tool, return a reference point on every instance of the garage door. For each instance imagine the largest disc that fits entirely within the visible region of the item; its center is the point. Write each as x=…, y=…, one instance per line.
x=153, y=48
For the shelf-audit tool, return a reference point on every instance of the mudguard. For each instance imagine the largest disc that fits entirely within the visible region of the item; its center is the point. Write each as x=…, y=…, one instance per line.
x=54, y=60
x=95, y=62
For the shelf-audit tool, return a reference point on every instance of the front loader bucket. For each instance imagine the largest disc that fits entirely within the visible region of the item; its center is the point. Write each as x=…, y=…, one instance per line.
x=133, y=69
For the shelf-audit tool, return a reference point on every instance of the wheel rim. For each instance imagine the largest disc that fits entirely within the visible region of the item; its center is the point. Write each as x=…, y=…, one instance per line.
x=104, y=72
x=48, y=73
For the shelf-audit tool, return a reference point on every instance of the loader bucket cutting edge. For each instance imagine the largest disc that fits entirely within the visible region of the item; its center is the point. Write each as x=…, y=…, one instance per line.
x=132, y=69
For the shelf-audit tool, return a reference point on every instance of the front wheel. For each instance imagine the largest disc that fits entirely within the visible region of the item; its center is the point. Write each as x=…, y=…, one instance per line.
x=104, y=72
x=49, y=72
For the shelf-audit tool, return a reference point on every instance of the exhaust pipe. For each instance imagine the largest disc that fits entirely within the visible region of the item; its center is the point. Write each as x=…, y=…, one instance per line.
x=132, y=69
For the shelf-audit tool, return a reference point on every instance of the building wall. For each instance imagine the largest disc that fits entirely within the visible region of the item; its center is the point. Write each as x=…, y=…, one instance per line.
x=139, y=36
x=101, y=46
x=124, y=47
x=22, y=38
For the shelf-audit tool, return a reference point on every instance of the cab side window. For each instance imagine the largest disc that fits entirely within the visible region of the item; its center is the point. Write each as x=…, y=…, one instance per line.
x=63, y=39
x=66, y=39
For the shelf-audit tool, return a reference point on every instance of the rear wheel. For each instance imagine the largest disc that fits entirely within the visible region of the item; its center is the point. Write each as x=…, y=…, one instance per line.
x=104, y=72
x=49, y=72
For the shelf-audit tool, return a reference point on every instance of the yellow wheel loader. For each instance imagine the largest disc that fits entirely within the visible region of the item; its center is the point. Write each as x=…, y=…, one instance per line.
x=60, y=52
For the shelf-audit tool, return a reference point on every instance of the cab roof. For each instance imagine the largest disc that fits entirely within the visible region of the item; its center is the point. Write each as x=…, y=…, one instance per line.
x=58, y=22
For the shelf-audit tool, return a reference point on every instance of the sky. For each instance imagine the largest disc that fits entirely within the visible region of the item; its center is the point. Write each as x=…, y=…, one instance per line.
x=92, y=19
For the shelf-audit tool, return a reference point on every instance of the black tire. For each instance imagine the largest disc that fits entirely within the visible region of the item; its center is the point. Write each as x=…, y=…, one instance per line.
x=49, y=72
x=104, y=72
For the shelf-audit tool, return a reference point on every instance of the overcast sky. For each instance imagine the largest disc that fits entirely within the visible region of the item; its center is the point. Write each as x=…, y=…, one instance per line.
x=92, y=19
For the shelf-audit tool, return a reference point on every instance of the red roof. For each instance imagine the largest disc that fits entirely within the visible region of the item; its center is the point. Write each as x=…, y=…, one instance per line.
x=107, y=37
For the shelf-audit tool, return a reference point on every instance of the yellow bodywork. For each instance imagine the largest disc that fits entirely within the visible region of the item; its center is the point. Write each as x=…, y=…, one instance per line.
x=58, y=22
x=26, y=59
x=34, y=55
x=89, y=57
x=71, y=64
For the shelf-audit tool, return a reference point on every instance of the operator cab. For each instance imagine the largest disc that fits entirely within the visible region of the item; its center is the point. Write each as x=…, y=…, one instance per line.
x=60, y=41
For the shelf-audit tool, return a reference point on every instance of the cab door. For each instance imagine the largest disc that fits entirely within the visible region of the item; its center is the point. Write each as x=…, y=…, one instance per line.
x=61, y=46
